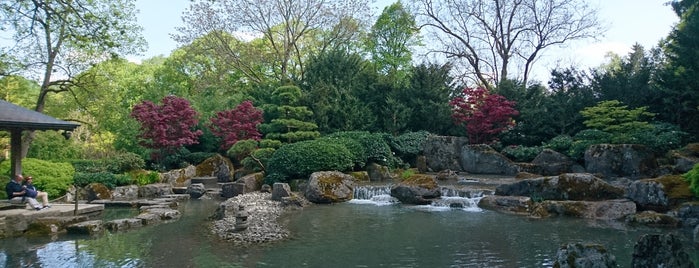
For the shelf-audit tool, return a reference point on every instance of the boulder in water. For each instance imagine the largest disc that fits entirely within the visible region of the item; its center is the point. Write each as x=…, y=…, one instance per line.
x=655, y=250
x=578, y=255
x=418, y=189
x=329, y=187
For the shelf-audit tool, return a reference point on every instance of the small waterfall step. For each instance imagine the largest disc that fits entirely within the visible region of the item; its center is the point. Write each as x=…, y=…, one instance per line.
x=209, y=182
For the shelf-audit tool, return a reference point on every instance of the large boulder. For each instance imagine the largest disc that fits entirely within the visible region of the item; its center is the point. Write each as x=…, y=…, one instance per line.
x=216, y=166
x=196, y=190
x=154, y=190
x=621, y=160
x=179, y=177
x=482, y=159
x=418, y=189
x=652, y=218
x=688, y=214
x=252, y=182
x=280, y=190
x=329, y=187
x=550, y=163
x=97, y=191
x=579, y=255
x=520, y=205
x=655, y=250
x=378, y=172
x=599, y=210
x=125, y=193
x=659, y=194
x=571, y=186
x=443, y=152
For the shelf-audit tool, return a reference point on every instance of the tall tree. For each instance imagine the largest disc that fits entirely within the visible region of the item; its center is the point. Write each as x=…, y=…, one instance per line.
x=288, y=30
x=497, y=37
x=391, y=40
x=428, y=95
x=678, y=78
x=56, y=40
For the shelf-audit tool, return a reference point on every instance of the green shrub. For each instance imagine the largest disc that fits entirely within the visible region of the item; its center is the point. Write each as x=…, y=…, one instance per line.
x=356, y=149
x=124, y=162
x=409, y=144
x=242, y=149
x=662, y=137
x=692, y=177
x=52, y=146
x=298, y=160
x=520, y=153
x=263, y=155
x=198, y=157
x=585, y=139
x=109, y=179
x=560, y=143
x=267, y=143
x=51, y=177
x=375, y=146
x=88, y=165
x=144, y=177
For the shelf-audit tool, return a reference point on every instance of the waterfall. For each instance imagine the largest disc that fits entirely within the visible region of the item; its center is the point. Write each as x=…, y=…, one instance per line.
x=452, y=198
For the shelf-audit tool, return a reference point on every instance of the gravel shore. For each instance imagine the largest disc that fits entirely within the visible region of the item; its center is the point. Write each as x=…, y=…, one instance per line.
x=263, y=213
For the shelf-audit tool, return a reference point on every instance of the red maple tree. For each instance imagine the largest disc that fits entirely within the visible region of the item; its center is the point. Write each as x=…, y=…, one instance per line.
x=485, y=115
x=239, y=123
x=168, y=126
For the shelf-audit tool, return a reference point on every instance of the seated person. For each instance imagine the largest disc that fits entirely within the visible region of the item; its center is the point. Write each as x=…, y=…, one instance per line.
x=34, y=193
x=16, y=193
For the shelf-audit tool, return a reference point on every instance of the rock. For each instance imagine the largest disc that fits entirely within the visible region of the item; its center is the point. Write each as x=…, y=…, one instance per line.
x=418, y=189
x=520, y=205
x=266, y=188
x=121, y=225
x=659, y=194
x=695, y=234
x=179, y=177
x=154, y=190
x=252, y=182
x=229, y=189
x=446, y=175
x=578, y=255
x=124, y=193
x=621, y=160
x=688, y=214
x=481, y=159
x=654, y=250
x=97, y=191
x=421, y=164
x=196, y=190
x=52, y=225
x=329, y=187
x=443, y=152
x=571, y=186
x=600, y=210
x=550, y=163
x=652, y=218
x=216, y=166
x=378, y=172
x=360, y=176
x=93, y=227
x=280, y=190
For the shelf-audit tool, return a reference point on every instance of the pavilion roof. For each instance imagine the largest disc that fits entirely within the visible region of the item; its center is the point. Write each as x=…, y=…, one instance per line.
x=17, y=117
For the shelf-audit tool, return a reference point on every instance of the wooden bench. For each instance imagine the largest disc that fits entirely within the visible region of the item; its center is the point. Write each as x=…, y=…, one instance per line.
x=6, y=204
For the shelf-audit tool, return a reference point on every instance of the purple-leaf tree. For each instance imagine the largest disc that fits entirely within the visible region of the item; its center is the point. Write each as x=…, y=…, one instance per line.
x=239, y=123
x=167, y=127
x=485, y=115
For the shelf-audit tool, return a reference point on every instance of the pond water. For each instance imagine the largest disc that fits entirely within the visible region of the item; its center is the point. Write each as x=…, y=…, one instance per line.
x=367, y=232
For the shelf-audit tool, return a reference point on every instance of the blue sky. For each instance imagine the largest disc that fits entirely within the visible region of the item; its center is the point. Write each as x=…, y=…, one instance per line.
x=629, y=21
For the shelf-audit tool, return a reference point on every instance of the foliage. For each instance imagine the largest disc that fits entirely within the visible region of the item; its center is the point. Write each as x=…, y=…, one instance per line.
x=242, y=149
x=258, y=159
x=583, y=139
x=428, y=95
x=520, y=153
x=267, y=143
x=144, y=177
x=662, y=137
x=356, y=149
x=376, y=149
x=239, y=123
x=51, y=177
x=195, y=158
x=109, y=179
x=485, y=115
x=613, y=117
x=52, y=146
x=123, y=162
x=692, y=177
x=560, y=143
x=391, y=38
x=298, y=160
x=288, y=121
x=88, y=165
x=409, y=145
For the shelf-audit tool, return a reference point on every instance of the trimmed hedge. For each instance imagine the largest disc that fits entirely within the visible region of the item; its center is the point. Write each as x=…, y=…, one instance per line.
x=298, y=160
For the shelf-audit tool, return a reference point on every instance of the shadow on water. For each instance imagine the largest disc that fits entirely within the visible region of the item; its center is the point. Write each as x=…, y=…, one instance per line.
x=340, y=235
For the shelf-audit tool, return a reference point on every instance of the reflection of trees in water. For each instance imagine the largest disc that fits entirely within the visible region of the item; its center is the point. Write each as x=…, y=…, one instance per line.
x=123, y=249
x=22, y=253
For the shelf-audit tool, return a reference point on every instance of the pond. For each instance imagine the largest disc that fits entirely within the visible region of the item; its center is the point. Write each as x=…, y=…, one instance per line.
x=372, y=232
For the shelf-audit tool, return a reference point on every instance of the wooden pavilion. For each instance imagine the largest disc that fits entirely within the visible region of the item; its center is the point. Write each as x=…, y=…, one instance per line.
x=15, y=119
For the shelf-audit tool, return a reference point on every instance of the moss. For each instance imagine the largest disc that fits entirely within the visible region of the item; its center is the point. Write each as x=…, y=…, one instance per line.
x=421, y=180
x=360, y=176
x=675, y=186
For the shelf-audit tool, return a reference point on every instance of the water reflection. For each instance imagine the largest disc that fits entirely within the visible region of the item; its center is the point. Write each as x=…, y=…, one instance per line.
x=341, y=235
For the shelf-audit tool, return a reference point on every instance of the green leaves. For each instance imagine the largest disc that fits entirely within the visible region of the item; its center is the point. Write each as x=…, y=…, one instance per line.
x=613, y=117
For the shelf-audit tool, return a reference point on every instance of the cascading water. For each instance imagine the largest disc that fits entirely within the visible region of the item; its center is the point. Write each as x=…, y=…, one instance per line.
x=452, y=198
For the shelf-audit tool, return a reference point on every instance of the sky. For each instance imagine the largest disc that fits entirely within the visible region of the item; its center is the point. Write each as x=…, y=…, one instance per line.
x=629, y=22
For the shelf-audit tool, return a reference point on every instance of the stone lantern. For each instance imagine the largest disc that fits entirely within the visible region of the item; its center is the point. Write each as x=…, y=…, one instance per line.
x=241, y=219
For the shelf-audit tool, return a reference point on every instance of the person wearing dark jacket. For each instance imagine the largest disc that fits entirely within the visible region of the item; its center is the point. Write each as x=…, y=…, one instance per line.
x=34, y=193
x=17, y=193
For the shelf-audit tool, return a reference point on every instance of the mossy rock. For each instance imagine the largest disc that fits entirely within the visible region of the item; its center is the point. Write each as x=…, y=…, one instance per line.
x=422, y=181
x=361, y=176
x=676, y=187
x=654, y=219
